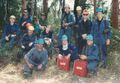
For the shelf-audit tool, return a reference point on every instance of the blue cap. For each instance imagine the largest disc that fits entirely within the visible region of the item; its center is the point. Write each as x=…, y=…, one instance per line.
x=99, y=10
x=89, y=37
x=64, y=37
x=39, y=41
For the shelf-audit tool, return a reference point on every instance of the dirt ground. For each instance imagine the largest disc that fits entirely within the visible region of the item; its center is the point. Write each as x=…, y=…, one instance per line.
x=12, y=73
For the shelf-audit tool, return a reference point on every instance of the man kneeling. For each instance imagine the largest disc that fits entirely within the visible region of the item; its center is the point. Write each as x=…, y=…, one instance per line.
x=36, y=58
x=90, y=53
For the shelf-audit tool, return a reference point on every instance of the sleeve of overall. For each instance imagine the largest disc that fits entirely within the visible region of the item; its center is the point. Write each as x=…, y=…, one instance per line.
x=109, y=34
x=94, y=54
x=5, y=30
x=90, y=26
x=29, y=55
x=72, y=17
x=29, y=20
x=45, y=58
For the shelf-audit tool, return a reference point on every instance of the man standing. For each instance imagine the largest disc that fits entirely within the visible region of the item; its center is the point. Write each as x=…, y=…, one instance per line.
x=84, y=28
x=36, y=58
x=101, y=33
x=68, y=20
x=78, y=17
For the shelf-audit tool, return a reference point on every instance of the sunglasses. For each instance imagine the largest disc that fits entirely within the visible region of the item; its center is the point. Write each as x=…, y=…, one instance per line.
x=85, y=14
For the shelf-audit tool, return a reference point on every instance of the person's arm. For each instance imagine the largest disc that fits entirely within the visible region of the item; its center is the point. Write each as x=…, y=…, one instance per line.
x=27, y=58
x=72, y=21
x=94, y=54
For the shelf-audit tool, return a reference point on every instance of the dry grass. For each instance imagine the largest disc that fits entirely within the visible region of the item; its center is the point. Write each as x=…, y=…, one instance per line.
x=12, y=74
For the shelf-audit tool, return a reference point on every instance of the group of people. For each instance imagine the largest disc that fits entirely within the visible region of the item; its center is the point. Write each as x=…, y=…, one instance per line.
x=34, y=35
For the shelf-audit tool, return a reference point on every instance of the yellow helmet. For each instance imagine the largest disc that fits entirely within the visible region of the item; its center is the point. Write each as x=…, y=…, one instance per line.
x=12, y=16
x=31, y=28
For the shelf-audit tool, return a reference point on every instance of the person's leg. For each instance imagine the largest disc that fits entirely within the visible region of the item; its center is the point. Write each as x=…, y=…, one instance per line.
x=61, y=32
x=92, y=67
x=12, y=42
x=26, y=70
x=104, y=55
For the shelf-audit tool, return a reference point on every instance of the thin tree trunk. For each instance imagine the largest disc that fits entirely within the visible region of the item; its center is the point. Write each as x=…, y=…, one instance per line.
x=23, y=5
x=45, y=7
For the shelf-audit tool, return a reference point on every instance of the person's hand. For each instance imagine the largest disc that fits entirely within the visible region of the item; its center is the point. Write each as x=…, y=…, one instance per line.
x=13, y=35
x=23, y=47
x=67, y=57
x=83, y=57
x=30, y=66
x=30, y=44
x=39, y=67
x=108, y=42
x=23, y=23
x=60, y=56
x=7, y=38
x=84, y=36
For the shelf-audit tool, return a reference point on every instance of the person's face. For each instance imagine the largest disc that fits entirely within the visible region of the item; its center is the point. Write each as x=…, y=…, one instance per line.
x=12, y=20
x=30, y=32
x=67, y=10
x=43, y=17
x=78, y=11
x=39, y=46
x=64, y=42
x=99, y=15
x=85, y=16
x=89, y=42
x=25, y=13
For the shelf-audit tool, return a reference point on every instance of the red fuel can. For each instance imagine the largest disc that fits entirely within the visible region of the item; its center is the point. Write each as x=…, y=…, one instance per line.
x=63, y=64
x=80, y=68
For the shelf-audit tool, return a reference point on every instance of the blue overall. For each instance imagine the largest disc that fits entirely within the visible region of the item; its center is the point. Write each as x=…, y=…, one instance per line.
x=100, y=37
x=92, y=57
x=35, y=58
x=71, y=50
x=70, y=19
x=84, y=28
x=26, y=40
x=10, y=30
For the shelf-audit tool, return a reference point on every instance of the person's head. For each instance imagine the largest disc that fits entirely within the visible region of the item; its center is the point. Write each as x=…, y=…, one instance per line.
x=89, y=39
x=85, y=14
x=99, y=13
x=12, y=19
x=43, y=16
x=25, y=12
x=67, y=8
x=30, y=30
x=78, y=9
x=64, y=40
x=39, y=44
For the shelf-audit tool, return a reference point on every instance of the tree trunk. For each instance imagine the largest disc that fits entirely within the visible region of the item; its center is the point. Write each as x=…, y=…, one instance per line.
x=94, y=7
x=23, y=5
x=45, y=7
x=114, y=16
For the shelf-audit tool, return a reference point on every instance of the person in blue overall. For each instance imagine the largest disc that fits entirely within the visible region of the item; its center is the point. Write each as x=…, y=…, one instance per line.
x=78, y=17
x=67, y=21
x=26, y=18
x=10, y=32
x=47, y=34
x=84, y=28
x=91, y=54
x=67, y=50
x=27, y=42
x=37, y=27
x=102, y=34
x=36, y=58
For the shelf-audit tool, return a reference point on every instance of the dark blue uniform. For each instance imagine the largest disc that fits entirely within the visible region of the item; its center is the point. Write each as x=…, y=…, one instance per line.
x=100, y=36
x=10, y=30
x=92, y=57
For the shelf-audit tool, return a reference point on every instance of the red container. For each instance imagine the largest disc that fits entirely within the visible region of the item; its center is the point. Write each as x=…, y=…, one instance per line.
x=80, y=68
x=63, y=64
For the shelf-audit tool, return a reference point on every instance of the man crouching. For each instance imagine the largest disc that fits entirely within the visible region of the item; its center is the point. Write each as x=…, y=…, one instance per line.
x=36, y=58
